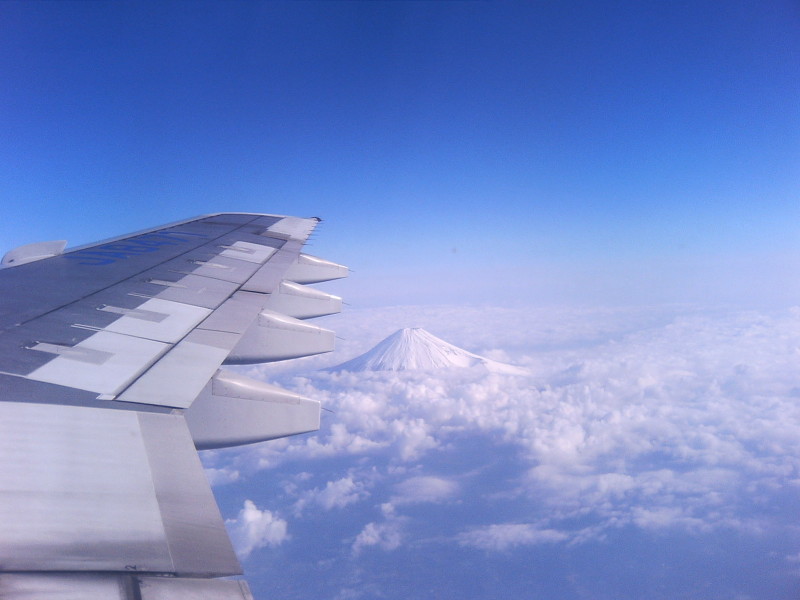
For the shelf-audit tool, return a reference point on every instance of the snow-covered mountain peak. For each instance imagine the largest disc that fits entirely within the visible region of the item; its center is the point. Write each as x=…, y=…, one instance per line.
x=415, y=348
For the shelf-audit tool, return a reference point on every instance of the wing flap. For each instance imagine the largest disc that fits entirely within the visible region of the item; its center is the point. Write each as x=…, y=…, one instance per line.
x=194, y=532
x=176, y=379
x=95, y=586
x=159, y=588
x=87, y=489
x=65, y=586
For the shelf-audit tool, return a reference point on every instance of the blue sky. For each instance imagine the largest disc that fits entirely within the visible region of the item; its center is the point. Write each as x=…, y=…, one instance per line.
x=580, y=152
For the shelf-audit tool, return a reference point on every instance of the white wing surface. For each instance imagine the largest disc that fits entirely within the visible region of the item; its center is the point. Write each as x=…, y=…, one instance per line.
x=110, y=379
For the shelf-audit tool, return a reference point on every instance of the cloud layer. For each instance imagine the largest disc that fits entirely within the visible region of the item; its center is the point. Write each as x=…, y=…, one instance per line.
x=663, y=421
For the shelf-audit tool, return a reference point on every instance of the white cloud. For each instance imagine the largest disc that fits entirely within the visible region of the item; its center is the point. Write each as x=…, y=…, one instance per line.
x=412, y=438
x=335, y=494
x=255, y=528
x=662, y=517
x=340, y=493
x=386, y=535
x=424, y=489
x=505, y=536
x=221, y=476
x=640, y=418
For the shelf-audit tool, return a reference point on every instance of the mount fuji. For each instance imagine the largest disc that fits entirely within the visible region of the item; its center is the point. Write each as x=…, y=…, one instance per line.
x=415, y=348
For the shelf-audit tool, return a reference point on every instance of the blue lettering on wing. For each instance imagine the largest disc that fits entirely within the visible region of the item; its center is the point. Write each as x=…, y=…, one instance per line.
x=143, y=244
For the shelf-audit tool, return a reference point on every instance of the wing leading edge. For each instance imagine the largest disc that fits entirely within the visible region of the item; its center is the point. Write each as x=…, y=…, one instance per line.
x=111, y=376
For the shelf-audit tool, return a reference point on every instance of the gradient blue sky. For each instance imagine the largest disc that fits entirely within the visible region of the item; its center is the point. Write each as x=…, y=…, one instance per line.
x=578, y=152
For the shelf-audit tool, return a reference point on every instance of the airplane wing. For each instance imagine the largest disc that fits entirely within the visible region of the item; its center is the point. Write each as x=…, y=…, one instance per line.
x=111, y=378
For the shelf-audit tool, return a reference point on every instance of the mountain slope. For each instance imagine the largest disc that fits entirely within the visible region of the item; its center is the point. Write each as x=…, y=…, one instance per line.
x=415, y=348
